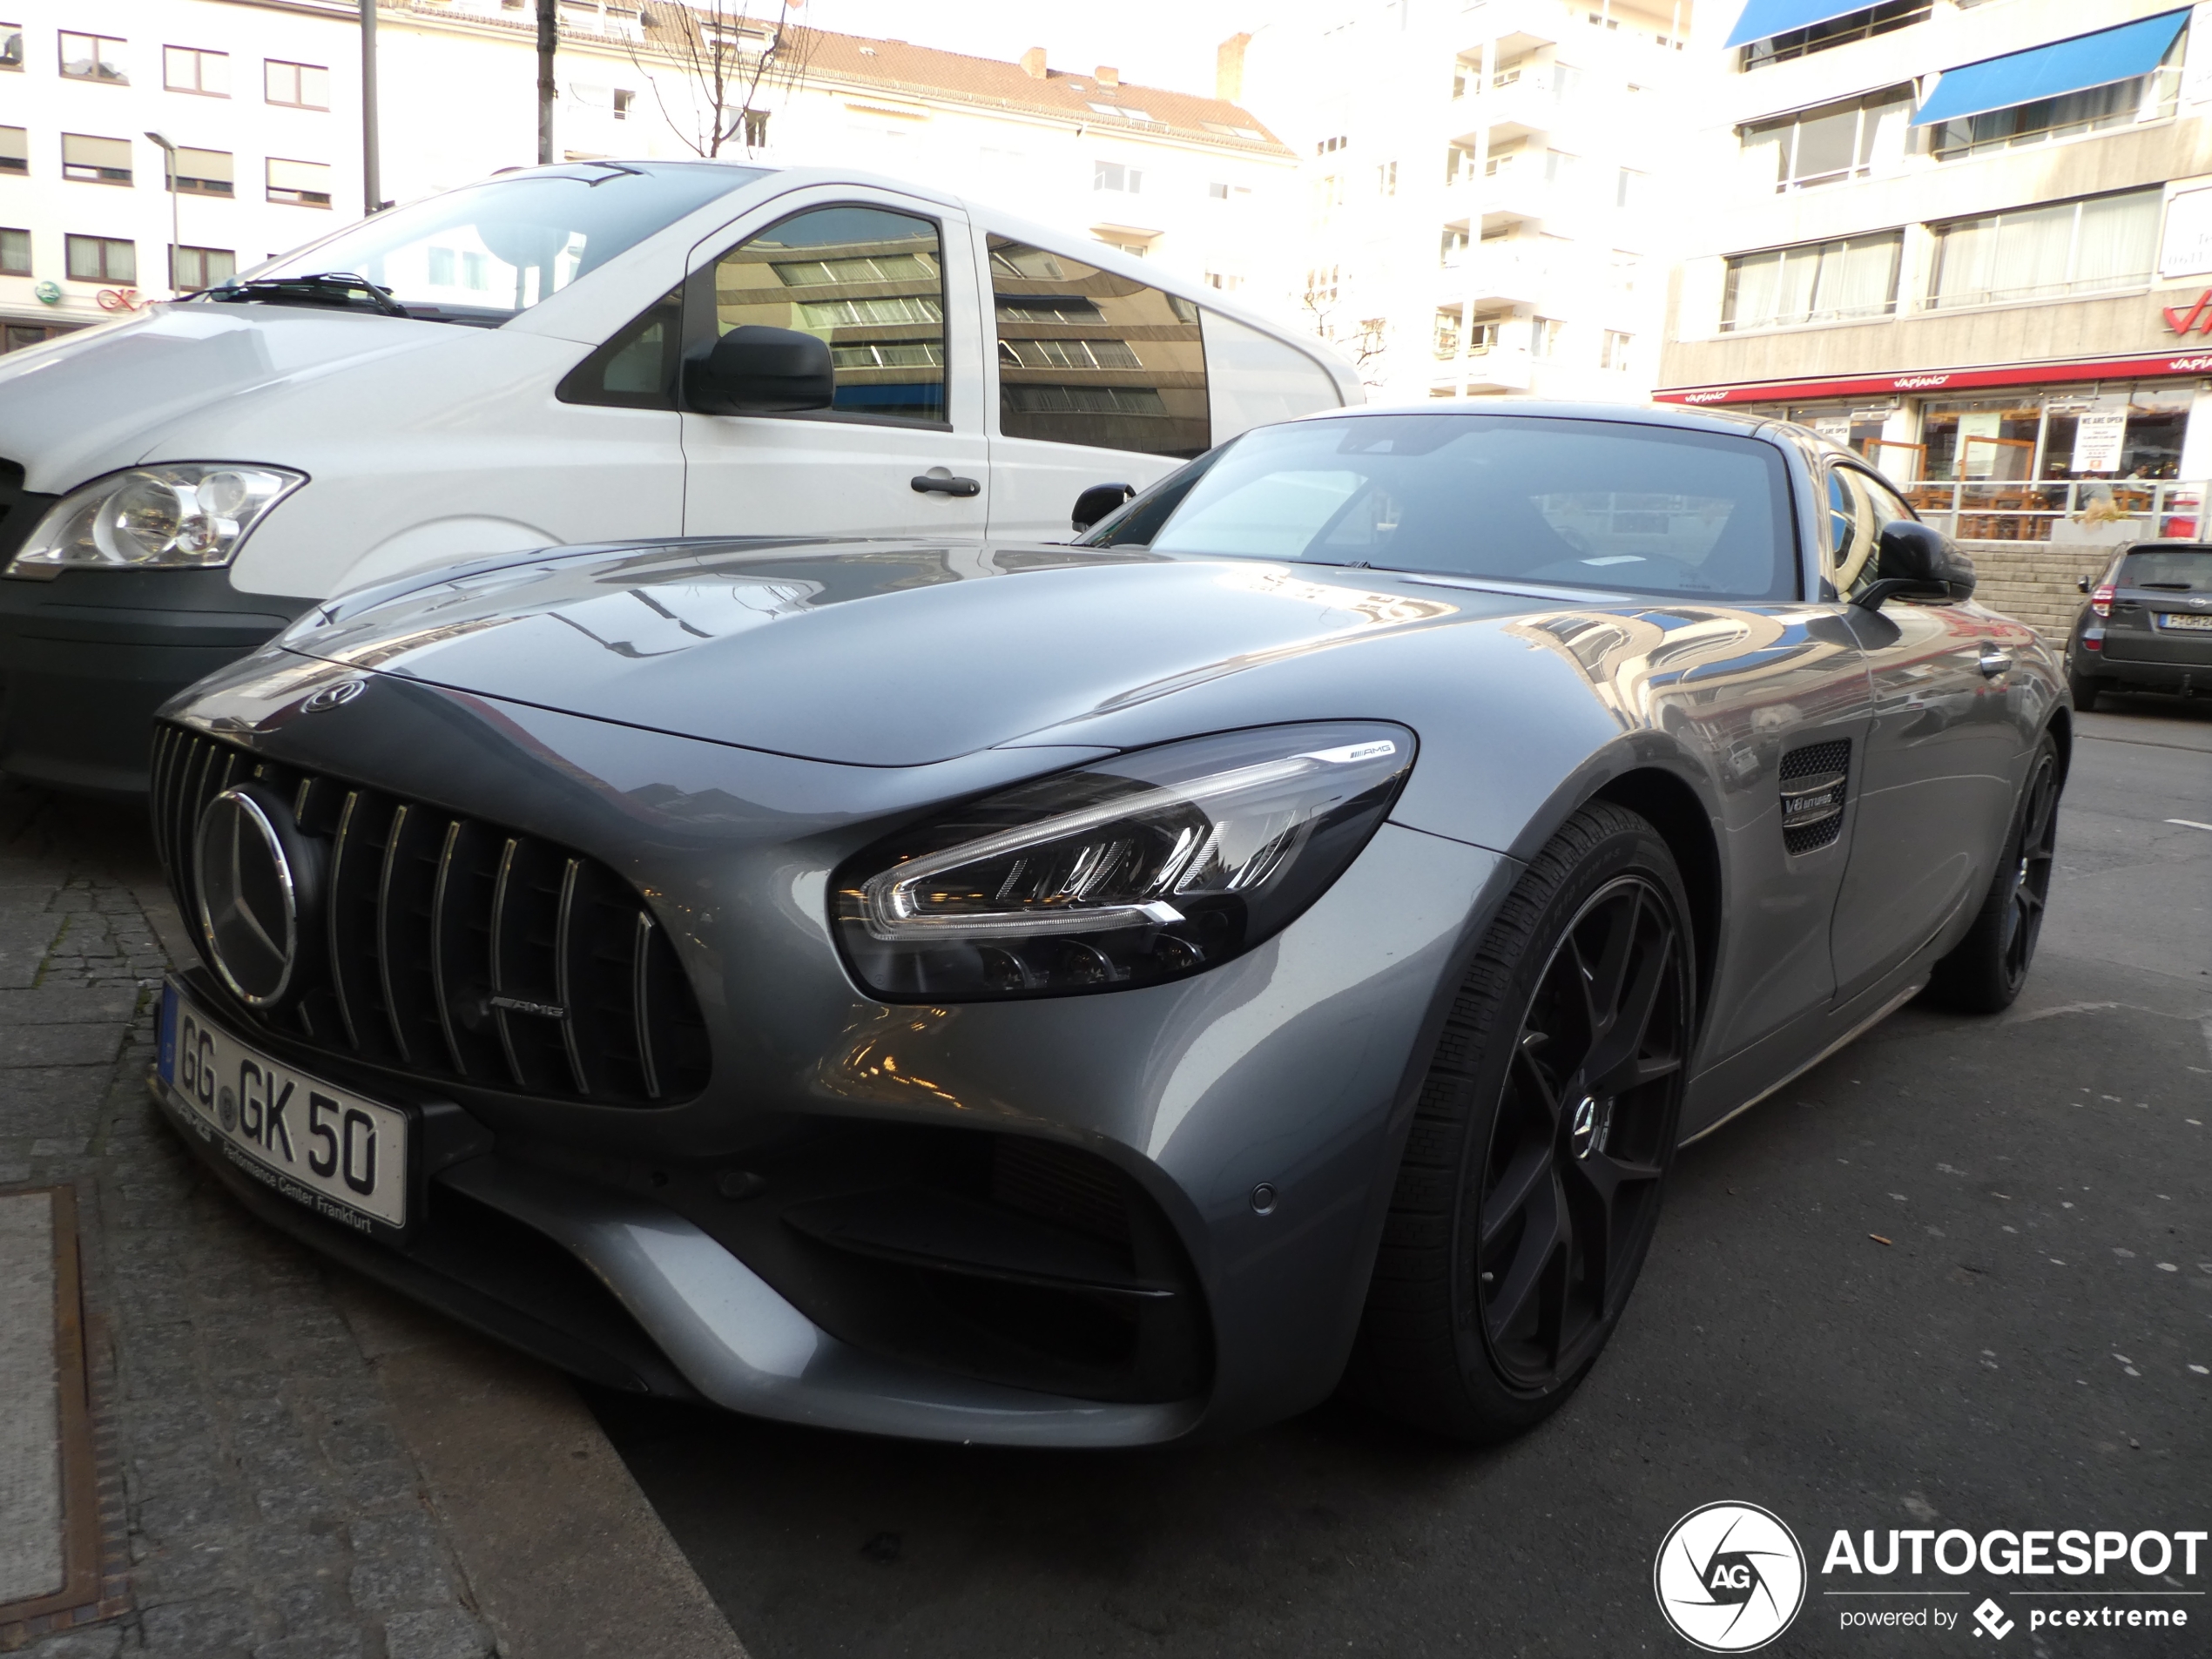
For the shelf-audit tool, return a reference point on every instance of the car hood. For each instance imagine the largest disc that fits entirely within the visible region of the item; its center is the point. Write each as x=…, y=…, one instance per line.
x=101, y=399
x=875, y=653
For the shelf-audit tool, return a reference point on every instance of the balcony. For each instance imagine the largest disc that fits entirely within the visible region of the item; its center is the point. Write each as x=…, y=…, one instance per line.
x=1518, y=26
x=1504, y=276
x=1522, y=102
x=1512, y=193
x=1501, y=368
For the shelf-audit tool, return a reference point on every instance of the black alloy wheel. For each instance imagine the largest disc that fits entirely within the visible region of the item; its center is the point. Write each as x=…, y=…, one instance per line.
x=1985, y=971
x=1570, y=1188
x=1529, y=1188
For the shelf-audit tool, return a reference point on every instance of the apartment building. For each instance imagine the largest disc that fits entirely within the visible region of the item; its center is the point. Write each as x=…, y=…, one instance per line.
x=257, y=102
x=1488, y=186
x=1973, y=242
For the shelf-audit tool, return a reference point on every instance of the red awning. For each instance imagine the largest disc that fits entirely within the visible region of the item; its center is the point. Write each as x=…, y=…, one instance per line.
x=1938, y=381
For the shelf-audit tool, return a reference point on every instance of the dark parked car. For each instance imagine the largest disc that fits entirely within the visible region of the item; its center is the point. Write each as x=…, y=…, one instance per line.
x=2147, y=627
x=1093, y=994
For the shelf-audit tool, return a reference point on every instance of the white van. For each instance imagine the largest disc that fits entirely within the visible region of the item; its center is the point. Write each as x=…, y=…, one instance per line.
x=594, y=352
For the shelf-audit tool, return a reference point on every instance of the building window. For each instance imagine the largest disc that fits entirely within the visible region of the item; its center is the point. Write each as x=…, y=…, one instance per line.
x=191, y=269
x=1816, y=282
x=93, y=57
x=100, y=259
x=1614, y=351
x=15, y=150
x=756, y=128
x=1386, y=180
x=187, y=69
x=1831, y=144
x=300, y=86
x=11, y=45
x=2145, y=97
x=1544, y=336
x=1627, y=189
x=1835, y=32
x=2082, y=247
x=1451, y=248
x=15, y=253
x=205, y=173
x=1321, y=286
x=1446, y=341
x=298, y=184
x=1329, y=146
x=96, y=161
x=1112, y=175
x=1223, y=281
x=624, y=98
x=1218, y=192
x=1328, y=192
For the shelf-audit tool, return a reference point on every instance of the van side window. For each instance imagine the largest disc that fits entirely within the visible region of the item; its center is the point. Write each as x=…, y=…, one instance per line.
x=636, y=368
x=1257, y=379
x=1088, y=357
x=870, y=282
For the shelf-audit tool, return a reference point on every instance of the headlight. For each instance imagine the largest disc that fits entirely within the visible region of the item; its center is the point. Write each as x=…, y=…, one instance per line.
x=1146, y=867
x=190, y=514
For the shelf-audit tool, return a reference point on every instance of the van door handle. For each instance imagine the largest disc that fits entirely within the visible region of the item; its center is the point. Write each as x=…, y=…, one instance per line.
x=941, y=483
x=1994, y=661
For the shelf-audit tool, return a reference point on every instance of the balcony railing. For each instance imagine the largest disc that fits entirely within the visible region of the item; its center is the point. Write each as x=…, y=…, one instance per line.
x=2082, y=510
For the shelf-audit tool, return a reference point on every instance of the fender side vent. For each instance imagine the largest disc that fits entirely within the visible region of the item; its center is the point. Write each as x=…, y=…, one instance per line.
x=1814, y=780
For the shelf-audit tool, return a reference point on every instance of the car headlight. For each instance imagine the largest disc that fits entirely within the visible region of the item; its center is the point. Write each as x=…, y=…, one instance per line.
x=183, y=516
x=1128, y=872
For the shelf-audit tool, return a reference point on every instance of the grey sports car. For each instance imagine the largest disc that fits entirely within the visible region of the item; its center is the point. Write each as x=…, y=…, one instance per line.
x=1090, y=995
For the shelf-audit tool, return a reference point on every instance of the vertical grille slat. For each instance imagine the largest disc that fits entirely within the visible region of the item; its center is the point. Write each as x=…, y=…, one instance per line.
x=454, y=949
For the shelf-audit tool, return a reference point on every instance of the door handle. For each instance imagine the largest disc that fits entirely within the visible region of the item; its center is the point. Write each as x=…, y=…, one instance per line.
x=936, y=483
x=1994, y=661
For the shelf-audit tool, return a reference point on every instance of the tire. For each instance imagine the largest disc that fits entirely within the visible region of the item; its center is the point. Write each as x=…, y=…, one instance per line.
x=2085, y=688
x=1985, y=969
x=1529, y=1187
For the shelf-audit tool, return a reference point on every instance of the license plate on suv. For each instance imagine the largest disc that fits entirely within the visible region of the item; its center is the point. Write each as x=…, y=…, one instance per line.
x=2173, y=619
x=342, y=1156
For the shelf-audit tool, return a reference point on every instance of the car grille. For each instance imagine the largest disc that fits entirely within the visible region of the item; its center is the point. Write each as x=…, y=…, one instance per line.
x=452, y=949
x=1813, y=781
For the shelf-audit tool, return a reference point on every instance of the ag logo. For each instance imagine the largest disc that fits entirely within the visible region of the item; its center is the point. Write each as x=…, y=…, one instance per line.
x=1730, y=1577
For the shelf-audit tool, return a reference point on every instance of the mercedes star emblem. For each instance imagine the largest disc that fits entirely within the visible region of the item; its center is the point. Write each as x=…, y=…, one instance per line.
x=249, y=896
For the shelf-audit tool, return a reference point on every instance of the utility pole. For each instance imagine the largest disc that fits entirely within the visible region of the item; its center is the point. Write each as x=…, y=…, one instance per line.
x=548, y=35
x=372, y=169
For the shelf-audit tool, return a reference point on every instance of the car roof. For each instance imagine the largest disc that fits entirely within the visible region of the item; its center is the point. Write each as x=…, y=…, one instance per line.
x=1662, y=415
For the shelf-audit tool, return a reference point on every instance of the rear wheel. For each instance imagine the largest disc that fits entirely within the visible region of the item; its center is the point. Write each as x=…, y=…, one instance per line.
x=1531, y=1181
x=2085, y=688
x=1988, y=966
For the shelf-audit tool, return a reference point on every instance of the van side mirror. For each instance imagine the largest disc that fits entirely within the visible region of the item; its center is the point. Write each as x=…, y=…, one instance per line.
x=1916, y=560
x=1096, y=502
x=756, y=370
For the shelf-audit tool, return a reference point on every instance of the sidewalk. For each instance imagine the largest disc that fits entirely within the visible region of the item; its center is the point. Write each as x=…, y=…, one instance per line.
x=295, y=1465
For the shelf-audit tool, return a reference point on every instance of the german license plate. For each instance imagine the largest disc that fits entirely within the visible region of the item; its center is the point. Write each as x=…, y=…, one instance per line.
x=340, y=1154
x=2169, y=619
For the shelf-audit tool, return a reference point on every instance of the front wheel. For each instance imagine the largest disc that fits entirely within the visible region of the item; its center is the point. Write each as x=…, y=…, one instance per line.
x=1985, y=970
x=1530, y=1184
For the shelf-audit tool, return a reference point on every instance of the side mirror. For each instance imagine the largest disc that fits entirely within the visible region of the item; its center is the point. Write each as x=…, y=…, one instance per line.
x=1916, y=560
x=2081, y=584
x=753, y=370
x=1096, y=502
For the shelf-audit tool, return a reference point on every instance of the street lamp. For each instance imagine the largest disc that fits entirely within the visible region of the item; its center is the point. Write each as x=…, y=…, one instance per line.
x=169, y=157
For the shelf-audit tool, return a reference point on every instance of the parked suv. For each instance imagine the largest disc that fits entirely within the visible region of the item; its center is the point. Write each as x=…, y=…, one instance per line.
x=2147, y=627
x=570, y=354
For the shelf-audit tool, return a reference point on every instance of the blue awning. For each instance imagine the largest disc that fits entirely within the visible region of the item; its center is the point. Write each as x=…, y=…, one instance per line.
x=2063, y=66
x=1763, y=19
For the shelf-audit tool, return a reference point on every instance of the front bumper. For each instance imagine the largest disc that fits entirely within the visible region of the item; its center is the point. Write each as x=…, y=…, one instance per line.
x=87, y=658
x=1293, y=1067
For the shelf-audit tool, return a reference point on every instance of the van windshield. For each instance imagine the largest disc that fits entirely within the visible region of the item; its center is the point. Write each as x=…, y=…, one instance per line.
x=486, y=252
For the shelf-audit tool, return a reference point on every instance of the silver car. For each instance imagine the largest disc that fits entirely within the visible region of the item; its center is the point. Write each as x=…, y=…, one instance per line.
x=1095, y=994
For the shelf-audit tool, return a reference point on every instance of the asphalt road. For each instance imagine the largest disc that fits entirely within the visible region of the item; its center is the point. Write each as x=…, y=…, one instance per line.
x=2026, y=1344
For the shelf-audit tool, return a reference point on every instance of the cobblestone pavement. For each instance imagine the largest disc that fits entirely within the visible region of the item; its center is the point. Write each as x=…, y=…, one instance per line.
x=271, y=1509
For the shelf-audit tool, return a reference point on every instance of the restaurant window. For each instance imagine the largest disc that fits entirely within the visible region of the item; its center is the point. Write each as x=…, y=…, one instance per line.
x=1816, y=282
x=96, y=161
x=187, y=69
x=2094, y=109
x=1834, y=31
x=303, y=86
x=100, y=259
x=2127, y=432
x=1831, y=143
x=2046, y=252
x=92, y=58
x=298, y=184
x=15, y=253
x=869, y=282
x=1090, y=357
x=15, y=150
x=191, y=269
x=205, y=173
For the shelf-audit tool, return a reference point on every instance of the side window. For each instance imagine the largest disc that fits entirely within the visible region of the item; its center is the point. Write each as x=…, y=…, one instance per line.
x=1086, y=356
x=1253, y=379
x=869, y=282
x=636, y=368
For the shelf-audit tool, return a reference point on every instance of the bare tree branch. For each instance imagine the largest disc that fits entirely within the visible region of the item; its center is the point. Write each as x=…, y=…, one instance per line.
x=719, y=57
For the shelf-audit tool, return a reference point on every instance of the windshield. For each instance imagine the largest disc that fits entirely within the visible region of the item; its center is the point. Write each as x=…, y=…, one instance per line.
x=2173, y=569
x=487, y=252
x=1590, y=503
